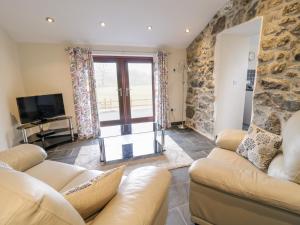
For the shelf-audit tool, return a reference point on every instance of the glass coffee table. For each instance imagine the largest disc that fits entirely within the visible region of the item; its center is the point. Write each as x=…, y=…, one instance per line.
x=131, y=141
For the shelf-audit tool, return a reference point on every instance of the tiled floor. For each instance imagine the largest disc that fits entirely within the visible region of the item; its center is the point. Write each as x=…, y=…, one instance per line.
x=195, y=145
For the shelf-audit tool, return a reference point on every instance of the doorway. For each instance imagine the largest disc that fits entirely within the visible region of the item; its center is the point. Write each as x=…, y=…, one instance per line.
x=235, y=68
x=125, y=92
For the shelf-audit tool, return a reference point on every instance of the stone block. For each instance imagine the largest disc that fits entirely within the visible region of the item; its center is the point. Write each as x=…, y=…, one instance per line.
x=262, y=70
x=287, y=21
x=270, y=83
x=283, y=41
x=265, y=57
x=292, y=74
x=190, y=112
x=263, y=99
x=296, y=30
x=273, y=124
x=268, y=43
x=274, y=3
x=278, y=68
x=291, y=9
x=290, y=103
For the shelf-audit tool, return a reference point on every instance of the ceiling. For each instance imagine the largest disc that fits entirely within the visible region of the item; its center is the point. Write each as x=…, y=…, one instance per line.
x=78, y=21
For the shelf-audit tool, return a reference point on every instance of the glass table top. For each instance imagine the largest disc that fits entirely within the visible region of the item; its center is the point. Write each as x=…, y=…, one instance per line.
x=130, y=141
x=127, y=129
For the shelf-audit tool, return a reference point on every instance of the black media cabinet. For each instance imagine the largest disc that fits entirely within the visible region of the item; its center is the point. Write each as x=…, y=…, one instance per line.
x=48, y=138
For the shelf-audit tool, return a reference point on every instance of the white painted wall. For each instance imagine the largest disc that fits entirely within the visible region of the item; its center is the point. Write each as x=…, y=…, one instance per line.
x=10, y=87
x=231, y=57
x=45, y=70
x=177, y=62
x=253, y=47
x=248, y=108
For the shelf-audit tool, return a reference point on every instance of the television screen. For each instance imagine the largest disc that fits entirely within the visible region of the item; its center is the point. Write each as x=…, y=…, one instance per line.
x=40, y=107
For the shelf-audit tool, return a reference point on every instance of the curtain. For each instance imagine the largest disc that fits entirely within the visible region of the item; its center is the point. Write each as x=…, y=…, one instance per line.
x=84, y=92
x=161, y=89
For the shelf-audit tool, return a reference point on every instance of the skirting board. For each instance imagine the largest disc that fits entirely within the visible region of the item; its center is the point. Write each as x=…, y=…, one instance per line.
x=177, y=123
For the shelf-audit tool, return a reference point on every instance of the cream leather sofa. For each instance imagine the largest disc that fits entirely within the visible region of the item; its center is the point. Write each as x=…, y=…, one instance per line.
x=226, y=189
x=30, y=194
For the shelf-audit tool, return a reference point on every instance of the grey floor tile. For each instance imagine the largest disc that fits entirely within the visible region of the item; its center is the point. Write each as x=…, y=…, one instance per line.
x=197, y=154
x=175, y=218
x=185, y=212
x=180, y=175
x=178, y=195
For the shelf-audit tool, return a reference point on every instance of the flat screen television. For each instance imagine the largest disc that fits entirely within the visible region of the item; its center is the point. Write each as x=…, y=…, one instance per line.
x=41, y=107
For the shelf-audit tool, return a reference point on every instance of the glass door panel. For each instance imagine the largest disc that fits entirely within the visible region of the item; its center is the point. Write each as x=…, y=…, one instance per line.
x=140, y=89
x=106, y=74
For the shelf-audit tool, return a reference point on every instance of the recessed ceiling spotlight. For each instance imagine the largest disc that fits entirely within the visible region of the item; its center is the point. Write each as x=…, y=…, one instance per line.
x=102, y=24
x=149, y=27
x=50, y=20
x=187, y=30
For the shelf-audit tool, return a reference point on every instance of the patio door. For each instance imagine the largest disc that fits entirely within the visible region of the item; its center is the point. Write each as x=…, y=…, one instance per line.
x=125, y=92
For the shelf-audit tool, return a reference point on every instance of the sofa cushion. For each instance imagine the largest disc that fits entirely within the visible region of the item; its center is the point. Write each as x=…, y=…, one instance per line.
x=23, y=157
x=139, y=200
x=55, y=174
x=230, y=139
x=91, y=196
x=291, y=148
x=276, y=168
x=248, y=183
x=26, y=200
x=259, y=147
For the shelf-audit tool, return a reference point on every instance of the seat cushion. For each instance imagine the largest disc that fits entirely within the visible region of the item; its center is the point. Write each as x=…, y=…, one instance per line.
x=276, y=168
x=26, y=200
x=247, y=183
x=55, y=174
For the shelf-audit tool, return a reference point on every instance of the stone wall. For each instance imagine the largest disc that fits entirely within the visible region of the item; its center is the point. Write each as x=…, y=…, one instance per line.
x=277, y=92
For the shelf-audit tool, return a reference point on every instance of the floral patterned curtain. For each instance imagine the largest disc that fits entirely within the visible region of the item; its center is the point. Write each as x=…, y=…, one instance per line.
x=84, y=92
x=161, y=89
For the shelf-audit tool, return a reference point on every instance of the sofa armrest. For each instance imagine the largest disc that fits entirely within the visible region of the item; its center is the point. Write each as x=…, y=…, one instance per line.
x=23, y=157
x=230, y=139
x=139, y=199
x=247, y=183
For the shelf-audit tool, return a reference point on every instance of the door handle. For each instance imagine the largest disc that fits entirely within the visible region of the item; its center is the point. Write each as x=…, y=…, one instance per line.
x=120, y=92
x=127, y=92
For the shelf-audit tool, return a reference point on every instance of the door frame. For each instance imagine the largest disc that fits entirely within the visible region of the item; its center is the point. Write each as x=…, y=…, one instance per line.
x=123, y=83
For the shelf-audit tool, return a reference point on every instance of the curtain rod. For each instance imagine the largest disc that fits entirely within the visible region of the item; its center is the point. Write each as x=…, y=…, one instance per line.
x=110, y=52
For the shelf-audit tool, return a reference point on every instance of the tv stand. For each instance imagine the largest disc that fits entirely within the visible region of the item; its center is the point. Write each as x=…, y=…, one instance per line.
x=48, y=138
x=45, y=133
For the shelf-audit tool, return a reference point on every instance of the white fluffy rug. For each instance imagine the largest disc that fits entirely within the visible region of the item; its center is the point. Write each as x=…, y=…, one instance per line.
x=173, y=157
